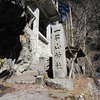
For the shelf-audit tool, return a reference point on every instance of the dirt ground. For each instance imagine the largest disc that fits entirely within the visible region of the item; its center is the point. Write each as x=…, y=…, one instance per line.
x=15, y=91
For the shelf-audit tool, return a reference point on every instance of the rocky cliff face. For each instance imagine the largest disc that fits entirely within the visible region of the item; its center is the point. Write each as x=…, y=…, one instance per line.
x=12, y=22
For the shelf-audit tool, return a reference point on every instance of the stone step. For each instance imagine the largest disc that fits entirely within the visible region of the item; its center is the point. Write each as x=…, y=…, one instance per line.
x=31, y=73
x=22, y=79
x=28, y=77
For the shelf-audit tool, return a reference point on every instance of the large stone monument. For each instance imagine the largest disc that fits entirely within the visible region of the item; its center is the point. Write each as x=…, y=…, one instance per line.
x=58, y=51
x=60, y=80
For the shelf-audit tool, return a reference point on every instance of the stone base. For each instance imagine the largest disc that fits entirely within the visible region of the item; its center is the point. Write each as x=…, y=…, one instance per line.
x=59, y=83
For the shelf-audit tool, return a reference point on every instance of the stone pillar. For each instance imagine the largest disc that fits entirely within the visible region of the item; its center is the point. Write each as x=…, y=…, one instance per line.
x=41, y=66
x=36, y=21
x=48, y=30
x=34, y=39
x=58, y=48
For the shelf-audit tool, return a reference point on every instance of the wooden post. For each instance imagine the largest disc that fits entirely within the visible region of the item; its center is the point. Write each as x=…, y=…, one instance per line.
x=71, y=26
x=68, y=30
x=72, y=66
x=84, y=33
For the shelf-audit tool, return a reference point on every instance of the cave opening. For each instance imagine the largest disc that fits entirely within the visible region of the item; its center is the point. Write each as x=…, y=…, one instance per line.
x=12, y=23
